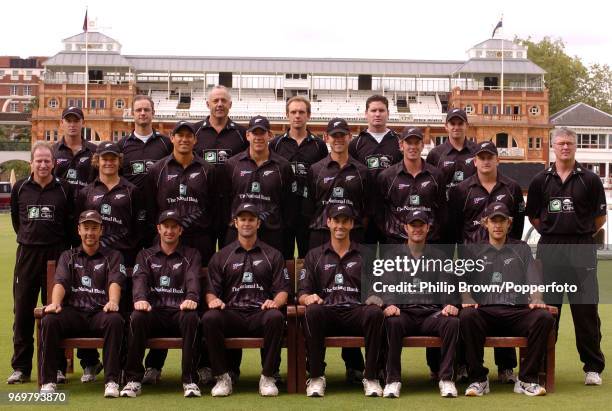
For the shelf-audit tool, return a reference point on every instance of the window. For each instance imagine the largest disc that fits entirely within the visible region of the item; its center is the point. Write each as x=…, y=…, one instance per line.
x=597, y=141
x=485, y=109
x=14, y=91
x=534, y=110
x=15, y=75
x=508, y=110
x=494, y=109
x=92, y=103
x=27, y=90
x=14, y=108
x=101, y=103
x=469, y=109
x=28, y=75
x=53, y=103
x=535, y=143
x=48, y=135
x=75, y=102
x=440, y=139
x=119, y=103
x=1, y=73
x=519, y=54
x=118, y=135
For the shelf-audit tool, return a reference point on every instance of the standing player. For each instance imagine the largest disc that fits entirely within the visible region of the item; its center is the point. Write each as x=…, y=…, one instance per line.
x=73, y=154
x=330, y=288
x=145, y=146
x=566, y=203
x=376, y=147
x=86, y=294
x=421, y=313
x=506, y=312
x=218, y=139
x=302, y=149
x=412, y=184
x=166, y=295
x=42, y=217
x=265, y=179
x=247, y=286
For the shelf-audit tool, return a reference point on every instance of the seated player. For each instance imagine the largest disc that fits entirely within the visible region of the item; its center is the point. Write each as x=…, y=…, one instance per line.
x=504, y=313
x=330, y=288
x=166, y=292
x=85, y=301
x=421, y=313
x=247, y=286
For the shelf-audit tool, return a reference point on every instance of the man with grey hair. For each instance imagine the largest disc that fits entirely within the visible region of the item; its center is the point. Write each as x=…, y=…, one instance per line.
x=41, y=213
x=566, y=203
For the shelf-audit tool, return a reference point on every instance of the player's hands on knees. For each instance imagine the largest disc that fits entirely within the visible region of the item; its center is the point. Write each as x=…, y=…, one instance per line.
x=468, y=305
x=450, y=310
x=142, y=305
x=537, y=305
x=391, y=311
x=110, y=307
x=313, y=299
x=374, y=300
x=269, y=305
x=188, y=305
x=216, y=304
x=53, y=308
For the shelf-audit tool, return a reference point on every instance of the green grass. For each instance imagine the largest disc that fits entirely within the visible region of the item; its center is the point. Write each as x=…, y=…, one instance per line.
x=417, y=391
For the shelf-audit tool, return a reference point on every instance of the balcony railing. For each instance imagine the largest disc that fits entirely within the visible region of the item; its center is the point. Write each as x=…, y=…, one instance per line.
x=511, y=152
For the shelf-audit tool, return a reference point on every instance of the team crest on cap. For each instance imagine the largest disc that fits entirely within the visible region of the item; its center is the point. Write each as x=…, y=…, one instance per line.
x=336, y=123
x=257, y=120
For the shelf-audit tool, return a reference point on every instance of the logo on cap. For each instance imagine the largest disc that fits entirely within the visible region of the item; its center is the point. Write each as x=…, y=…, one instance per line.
x=336, y=123
x=257, y=120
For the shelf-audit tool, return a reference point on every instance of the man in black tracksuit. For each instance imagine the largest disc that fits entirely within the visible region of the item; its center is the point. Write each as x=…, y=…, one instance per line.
x=377, y=148
x=42, y=217
x=145, y=146
x=411, y=184
x=302, y=149
x=502, y=311
x=166, y=293
x=330, y=288
x=468, y=201
x=85, y=300
x=265, y=179
x=73, y=154
x=248, y=284
x=566, y=203
x=420, y=312
x=186, y=183
x=337, y=179
x=218, y=139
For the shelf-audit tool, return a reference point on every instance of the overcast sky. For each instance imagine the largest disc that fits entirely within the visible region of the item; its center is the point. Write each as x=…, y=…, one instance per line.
x=438, y=30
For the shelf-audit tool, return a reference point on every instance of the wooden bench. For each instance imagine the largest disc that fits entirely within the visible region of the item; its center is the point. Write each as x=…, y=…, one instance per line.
x=546, y=376
x=289, y=342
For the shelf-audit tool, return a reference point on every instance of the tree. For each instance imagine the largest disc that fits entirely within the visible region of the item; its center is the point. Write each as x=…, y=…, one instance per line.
x=564, y=76
x=596, y=88
x=22, y=169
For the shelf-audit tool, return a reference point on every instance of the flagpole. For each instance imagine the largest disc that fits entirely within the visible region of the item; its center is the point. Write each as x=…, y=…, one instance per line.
x=86, y=105
x=503, y=111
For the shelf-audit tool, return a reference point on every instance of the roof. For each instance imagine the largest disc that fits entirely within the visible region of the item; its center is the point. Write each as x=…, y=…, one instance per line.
x=581, y=114
x=294, y=65
x=496, y=44
x=92, y=37
x=97, y=59
x=511, y=66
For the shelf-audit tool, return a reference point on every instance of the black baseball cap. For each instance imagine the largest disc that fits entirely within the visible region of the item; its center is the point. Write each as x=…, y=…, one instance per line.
x=182, y=124
x=497, y=209
x=90, y=215
x=336, y=210
x=246, y=208
x=417, y=215
x=456, y=112
x=107, y=147
x=486, y=146
x=260, y=122
x=169, y=215
x=75, y=111
x=337, y=125
x=411, y=132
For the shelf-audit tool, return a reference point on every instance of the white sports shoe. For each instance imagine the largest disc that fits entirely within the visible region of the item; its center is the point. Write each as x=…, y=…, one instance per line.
x=372, y=388
x=530, y=389
x=267, y=386
x=17, y=377
x=592, y=378
x=447, y=388
x=315, y=387
x=392, y=390
x=90, y=372
x=191, y=390
x=132, y=389
x=48, y=388
x=478, y=389
x=223, y=387
x=111, y=390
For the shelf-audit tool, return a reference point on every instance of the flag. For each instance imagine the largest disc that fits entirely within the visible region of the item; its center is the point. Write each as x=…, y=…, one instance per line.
x=499, y=25
x=85, y=22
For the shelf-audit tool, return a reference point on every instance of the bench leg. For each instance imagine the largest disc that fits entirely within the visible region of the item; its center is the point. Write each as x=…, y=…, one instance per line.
x=69, y=360
x=301, y=358
x=38, y=356
x=550, y=362
x=291, y=355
